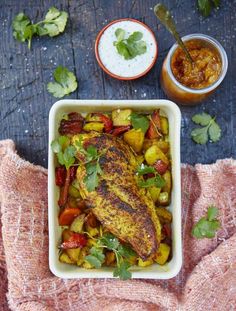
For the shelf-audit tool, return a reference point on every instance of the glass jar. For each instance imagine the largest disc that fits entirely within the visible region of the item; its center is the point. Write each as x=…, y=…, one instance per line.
x=182, y=94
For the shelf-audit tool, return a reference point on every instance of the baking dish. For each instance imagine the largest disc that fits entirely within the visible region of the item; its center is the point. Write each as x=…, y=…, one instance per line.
x=155, y=271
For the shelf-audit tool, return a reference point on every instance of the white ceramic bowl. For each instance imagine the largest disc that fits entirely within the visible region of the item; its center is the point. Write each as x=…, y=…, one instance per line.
x=155, y=271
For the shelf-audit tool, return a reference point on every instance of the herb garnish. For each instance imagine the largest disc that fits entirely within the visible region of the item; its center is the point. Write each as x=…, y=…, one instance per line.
x=53, y=24
x=139, y=121
x=210, y=129
x=122, y=252
x=65, y=82
x=64, y=151
x=207, y=226
x=156, y=181
x=92, y=166
x=205, y=6
x=132, y=46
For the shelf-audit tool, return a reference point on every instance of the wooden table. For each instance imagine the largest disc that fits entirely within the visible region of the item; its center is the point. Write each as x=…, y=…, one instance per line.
x=24, y=99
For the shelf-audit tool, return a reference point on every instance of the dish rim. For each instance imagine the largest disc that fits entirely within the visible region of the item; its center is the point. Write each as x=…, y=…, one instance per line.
x=109, y=105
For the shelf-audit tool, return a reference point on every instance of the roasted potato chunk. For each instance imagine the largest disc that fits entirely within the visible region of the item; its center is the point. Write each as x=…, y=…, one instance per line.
x=154, y=192
x=65, y=258
x=135, y=139
x=162, y=254
x=164, y=125
x=94, y=126
x=121, y=117
x=164, y=215
x=168, y=180
x=142, y=263
x=153, y=154
x=77, y=224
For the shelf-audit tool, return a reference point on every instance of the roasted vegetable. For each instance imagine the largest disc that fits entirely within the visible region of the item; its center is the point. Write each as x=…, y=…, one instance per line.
x=73, y=125
x=160, y=166
x=142, y=263
x=164, y=215
x=60, y=176
x=65, y=258
x=163, y=145
x=83, y=252
x=164, y=198
x=120, y=130
x=74, y=192
x=67, y=216
x=135, y=139
x=92, y=231
x=121, y=117
x=162, y=254
x=164, y=125
x=77, y=224
x=168, y=180
x=154, y=130
x=153, y=154
x=64, y=190
x=87, y=265
x=154, y=192
x=72, y=240
x=110, y=258
x=93, y=126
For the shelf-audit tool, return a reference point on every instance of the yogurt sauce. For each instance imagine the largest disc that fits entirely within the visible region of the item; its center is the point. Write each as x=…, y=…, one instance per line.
x=114, y=62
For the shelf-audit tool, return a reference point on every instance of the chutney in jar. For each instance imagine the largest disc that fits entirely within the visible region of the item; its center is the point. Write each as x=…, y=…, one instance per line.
x=205, y=69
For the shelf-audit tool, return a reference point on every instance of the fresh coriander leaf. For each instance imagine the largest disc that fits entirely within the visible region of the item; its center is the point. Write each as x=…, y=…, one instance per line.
x=52, y=14
x=139, y=121
x=93, y=261
x=126, y=251
x=131, y=47
x=97, y=253
x=120, y=34
x=68, y=156
x=214, y=132
x=142, y=170
x=123, y=50
x=65, y=82
x=91, y=153
x=56, y=147
x=91, y=181
x=122, y=271
x=110, y=241
x=204, y=7
x=212, y=212
x=135, y=36
x=206, y=228
x=157, y=181
x=202, y=119
x=200, y=135
x=19, y=24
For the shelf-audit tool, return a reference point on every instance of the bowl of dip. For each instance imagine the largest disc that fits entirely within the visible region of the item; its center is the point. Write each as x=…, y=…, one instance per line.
x=127, y=66
x=189, y=84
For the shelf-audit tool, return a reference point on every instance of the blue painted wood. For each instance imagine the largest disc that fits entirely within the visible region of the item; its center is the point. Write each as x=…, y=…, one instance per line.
x=25, y=101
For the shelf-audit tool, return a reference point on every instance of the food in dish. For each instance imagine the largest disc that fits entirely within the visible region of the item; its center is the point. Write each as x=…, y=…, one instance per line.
x=114, y=175
x=126, y=49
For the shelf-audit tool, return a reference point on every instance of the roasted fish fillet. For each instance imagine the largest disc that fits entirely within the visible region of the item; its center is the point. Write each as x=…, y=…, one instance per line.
x=118, y=203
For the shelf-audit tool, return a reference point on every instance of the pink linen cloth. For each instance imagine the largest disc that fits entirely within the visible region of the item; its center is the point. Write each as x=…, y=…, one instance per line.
x=207, y=280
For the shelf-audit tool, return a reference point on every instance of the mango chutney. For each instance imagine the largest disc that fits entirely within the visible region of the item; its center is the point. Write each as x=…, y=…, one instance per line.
x=187, y=83
x=205, y=69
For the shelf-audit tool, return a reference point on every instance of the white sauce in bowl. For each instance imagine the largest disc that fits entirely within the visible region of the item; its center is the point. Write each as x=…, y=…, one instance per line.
x=114, y=62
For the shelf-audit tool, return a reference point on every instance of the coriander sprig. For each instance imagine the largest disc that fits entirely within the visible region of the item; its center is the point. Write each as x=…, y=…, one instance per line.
x=65, y=82
x=207, y=226
x=210, y=129
x=156, y=181
x=205, y=6
x=132, y=46
x=139, y=121
x=122, y=252
x=64, y=151
x=53, y=24
x=92, y=166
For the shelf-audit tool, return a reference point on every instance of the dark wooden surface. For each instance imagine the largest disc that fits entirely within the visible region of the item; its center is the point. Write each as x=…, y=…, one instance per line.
x=25, y=102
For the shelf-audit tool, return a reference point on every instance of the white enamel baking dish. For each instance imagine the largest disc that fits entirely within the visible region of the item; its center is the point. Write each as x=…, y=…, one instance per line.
x=155, y=271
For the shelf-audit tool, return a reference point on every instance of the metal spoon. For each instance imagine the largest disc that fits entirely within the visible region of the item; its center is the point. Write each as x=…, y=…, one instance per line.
x=164, y=16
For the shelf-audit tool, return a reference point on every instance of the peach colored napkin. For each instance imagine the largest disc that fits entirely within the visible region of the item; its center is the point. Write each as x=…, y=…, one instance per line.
x=207, y=280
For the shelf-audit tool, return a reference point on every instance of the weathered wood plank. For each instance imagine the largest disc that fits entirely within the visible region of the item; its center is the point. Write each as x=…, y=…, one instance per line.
x=25, y=101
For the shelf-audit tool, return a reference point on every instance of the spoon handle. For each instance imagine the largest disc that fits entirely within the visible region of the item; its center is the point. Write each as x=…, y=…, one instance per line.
x=164, y=16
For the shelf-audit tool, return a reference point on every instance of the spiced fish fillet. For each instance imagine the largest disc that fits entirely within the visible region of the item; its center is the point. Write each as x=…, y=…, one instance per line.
x=118, y=203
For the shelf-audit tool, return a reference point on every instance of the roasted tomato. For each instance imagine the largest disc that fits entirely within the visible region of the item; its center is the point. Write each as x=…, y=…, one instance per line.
x=160, y=166
x=73, y=125
x=154, y=130
x=76, y=240
x=68, y=215
x=120, y=130
x=60, y=175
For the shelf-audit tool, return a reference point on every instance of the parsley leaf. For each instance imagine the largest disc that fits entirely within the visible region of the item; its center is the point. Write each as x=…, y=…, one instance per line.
x=53, y=24
x=130, y=47
x=122, y=271
x=205, y=6
x=65, y=82
x=210, y=130
x=206, y=227
x=139, y=121
x=65, y=152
